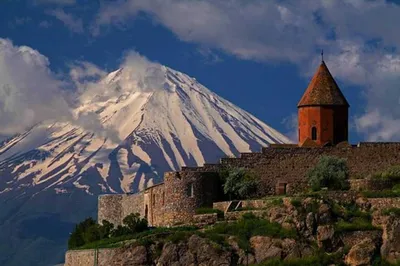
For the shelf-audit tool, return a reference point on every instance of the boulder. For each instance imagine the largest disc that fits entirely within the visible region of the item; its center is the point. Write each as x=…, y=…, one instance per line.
x=390, y=249
x=244, y=259
x=326, y=238
x=134, y=255
x=265, y=248
x=361, y=254
x=324, y=214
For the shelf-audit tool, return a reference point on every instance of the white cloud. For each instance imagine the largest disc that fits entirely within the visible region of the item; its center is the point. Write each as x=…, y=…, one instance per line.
x=357, y=35
x=29, y=92
x=72, y=23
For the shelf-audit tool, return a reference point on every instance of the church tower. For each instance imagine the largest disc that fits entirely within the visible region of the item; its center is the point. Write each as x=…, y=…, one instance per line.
x=323, y=111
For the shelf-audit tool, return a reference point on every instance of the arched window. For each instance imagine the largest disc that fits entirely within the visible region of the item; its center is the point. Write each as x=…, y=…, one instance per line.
x=314, y=133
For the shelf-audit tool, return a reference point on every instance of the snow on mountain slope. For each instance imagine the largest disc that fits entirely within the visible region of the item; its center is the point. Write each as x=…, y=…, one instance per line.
x=142, y=128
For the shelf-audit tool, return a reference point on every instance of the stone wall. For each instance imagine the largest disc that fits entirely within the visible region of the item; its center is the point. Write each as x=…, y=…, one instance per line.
x=289, y=164
x=115, y=207
x=280, y=169
x=383, y=203
x=370, y=184
x=88, y=257
x=354, y=237
x=155, y=202
x=187, y=191
x=172, y=202
x=109, y=208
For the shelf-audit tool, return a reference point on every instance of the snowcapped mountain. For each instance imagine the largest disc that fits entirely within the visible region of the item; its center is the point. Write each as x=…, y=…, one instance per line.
x=141, y=132
x=123, y=133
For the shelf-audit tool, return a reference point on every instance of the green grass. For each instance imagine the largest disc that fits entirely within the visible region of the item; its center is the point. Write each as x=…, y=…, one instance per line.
x=394, y=211
x=356, y=224
x=381, y=194
x=142, y=237
x=296, y=203
x=392, y=173
x=250, y=225
x=220, y=214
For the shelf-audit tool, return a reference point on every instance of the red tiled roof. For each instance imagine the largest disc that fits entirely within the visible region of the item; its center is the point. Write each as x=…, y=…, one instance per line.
x=323, y=90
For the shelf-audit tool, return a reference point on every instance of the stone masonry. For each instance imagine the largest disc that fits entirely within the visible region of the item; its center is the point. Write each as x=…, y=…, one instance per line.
x=281, y=169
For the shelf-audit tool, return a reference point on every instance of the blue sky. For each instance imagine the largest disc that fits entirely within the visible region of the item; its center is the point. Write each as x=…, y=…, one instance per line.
x=257, y=54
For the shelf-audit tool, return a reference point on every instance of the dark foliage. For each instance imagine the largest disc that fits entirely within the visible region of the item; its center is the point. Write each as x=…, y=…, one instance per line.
x=331, y=172
x=238, y=183
x=89, y=231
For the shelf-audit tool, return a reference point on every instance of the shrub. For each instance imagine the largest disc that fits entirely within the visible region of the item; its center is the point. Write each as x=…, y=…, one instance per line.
x=392, y=173
x=391, y=211
x=296, y=203
x=330, y=172
x=250, y=225
x=220, y=214
x=89, y=231
x=387, y=193
x=82, y=232
x=238, y=183
x=134, y=223
x=356, y=224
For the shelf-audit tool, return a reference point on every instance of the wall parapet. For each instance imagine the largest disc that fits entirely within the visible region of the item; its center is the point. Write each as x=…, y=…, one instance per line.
x=99, y=257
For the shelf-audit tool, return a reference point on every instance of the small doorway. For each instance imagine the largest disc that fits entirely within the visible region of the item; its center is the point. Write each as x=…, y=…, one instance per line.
x=146, y=212
x=281, y=188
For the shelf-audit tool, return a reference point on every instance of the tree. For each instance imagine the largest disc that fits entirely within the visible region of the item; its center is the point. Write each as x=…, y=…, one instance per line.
x=106, y=229
x=330, y=172
x=81, y=233
x=238, y=183
x=134, y=223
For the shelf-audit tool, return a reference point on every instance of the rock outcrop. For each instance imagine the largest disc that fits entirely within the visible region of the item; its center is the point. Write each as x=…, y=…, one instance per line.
x=361, y=254
x=390, y=249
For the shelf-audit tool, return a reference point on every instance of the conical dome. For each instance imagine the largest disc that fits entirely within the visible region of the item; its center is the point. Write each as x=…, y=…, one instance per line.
x=323, y=90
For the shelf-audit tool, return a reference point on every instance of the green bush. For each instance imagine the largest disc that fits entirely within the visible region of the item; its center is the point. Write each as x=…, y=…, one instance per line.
x=220, y=214
x=330, y=172
x=356, y=224
x=159, y=232
x=391, y=211
x=387, y=193
x=250, y=225
x=134, y=223
x=392, y=173
x=238, y=183
x=89, y=231
x=296, y=203
x=80, y=234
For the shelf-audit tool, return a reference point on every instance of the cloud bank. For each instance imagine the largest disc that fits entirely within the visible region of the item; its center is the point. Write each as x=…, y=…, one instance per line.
x=30, y=93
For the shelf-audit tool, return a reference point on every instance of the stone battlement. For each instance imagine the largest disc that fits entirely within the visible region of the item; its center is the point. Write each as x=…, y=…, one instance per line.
x=280, y=168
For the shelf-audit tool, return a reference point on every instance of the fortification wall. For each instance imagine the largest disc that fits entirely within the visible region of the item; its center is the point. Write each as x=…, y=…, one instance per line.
x=154, y=201
x=187, y=191
x=370, y=184
x=280, y=168
x=115, y=207
x=291, y=164
x=89, y=257
x=109, y=208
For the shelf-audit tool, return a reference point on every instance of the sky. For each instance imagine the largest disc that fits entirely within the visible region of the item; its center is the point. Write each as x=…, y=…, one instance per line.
x=258, y=54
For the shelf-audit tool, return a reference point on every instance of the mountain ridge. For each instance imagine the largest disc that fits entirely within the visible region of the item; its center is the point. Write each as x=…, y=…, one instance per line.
x=146, y=121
